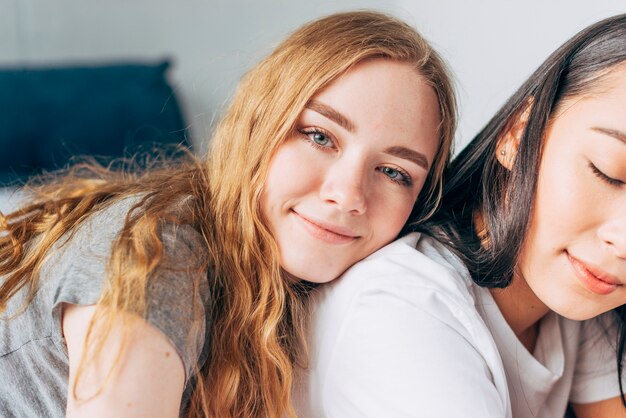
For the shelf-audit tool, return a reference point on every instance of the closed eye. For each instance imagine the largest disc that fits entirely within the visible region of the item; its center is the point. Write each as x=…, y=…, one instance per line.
x=609, y=180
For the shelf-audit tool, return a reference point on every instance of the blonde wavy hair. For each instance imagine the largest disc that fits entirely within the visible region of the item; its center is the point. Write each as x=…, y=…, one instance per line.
x=256, y=338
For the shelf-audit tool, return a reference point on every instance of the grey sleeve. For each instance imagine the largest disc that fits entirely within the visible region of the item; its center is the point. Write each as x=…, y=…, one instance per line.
x=177, y=293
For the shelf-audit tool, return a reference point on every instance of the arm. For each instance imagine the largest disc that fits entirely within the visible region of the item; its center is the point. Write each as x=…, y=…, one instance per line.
x=391, y=357
x=148, y=381
x=610, y=408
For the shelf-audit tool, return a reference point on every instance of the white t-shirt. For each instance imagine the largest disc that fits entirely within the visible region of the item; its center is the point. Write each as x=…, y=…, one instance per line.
x=407, y=333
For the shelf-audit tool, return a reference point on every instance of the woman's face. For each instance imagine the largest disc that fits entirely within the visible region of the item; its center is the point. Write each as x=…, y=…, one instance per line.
x=574, y=258
x=344, y=182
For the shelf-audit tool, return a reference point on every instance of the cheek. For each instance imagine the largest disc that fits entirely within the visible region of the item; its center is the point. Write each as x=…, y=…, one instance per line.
x=563, y=203
x=289, y=175
x=389, y=213
x=562, y=217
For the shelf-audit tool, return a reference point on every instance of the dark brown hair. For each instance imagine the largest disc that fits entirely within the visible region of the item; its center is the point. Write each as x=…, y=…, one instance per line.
x=476, y=183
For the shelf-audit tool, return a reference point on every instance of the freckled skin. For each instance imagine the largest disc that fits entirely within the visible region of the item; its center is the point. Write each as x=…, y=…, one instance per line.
x=345, y=182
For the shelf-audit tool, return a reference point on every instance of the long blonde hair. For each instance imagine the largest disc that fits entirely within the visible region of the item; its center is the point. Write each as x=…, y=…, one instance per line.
x=257, y=332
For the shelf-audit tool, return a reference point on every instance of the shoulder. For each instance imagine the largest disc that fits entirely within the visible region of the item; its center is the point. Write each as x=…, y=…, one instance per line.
x=84, y=250
x=176, y=291
x=77, y=264
x=414, y=269
x=400, y=322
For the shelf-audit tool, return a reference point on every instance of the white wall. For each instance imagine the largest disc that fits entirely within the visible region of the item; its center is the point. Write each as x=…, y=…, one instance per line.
x=212, y=42
x=492, y=45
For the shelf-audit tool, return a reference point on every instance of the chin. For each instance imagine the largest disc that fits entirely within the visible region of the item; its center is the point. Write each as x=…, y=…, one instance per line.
x=313, y=268
x=576, y=316
x=576, y=311
x=311, y=275
x=313, y=278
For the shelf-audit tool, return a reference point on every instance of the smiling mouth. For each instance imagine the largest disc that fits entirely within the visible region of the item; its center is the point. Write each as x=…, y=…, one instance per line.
x=324, y=232
x=595, y=281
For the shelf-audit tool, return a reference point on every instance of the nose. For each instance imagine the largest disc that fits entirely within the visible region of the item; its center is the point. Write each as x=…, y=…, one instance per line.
x=613, y=234
x=345, y=187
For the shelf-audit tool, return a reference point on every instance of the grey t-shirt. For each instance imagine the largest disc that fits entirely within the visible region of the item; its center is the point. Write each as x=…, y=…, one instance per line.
x=34, y=366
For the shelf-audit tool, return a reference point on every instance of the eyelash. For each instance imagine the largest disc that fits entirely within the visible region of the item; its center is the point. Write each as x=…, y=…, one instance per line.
x=404, y=180
x=609, y=180
x=307, y=132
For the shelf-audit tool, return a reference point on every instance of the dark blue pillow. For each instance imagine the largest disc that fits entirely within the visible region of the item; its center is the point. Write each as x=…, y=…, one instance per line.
x=48, y=115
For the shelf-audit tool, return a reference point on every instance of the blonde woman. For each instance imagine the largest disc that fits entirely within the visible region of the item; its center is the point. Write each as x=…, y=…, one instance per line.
x=179, y=291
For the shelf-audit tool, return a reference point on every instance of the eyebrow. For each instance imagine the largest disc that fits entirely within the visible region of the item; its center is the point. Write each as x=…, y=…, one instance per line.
x=611, y=132
x=397, y=151
x=410, y=155
x=331, y=114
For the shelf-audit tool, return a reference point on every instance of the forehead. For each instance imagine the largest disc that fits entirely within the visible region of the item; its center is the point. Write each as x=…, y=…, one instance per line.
x=606, y=90
x=375, y=69
x=613, y=80
x=381, y=89
x=386, y=99
x=606, y=81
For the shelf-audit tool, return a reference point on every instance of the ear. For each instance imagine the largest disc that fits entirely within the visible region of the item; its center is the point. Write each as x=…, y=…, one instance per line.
x=509, y=140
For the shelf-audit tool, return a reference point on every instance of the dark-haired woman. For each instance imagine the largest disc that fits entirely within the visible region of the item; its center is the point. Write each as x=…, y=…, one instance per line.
x=499, y=312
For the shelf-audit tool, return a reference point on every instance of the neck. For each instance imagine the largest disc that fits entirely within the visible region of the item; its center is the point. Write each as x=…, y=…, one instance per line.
x=519, y=305
x=521, y=309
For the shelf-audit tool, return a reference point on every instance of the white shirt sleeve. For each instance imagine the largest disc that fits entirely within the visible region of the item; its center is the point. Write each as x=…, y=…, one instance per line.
x=385, y=346
x=395, y=360
x=595, y=378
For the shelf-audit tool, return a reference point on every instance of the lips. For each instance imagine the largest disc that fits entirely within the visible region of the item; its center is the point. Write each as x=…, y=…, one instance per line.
x=332, y=234
x=593, y=278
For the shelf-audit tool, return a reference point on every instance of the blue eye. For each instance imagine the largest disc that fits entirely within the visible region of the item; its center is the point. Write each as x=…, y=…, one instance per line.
x=396, y=175
x=316, y=137
x=392, y=173
x=319, y=138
